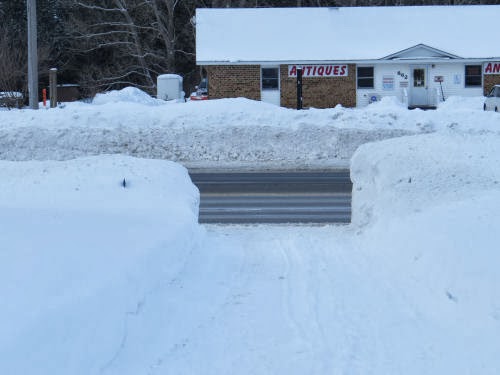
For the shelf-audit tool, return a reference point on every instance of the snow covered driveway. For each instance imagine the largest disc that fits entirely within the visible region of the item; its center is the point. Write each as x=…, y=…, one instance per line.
x=253, y=301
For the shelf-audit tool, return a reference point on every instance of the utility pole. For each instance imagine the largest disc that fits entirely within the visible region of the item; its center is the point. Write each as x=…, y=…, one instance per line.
x=32, y=54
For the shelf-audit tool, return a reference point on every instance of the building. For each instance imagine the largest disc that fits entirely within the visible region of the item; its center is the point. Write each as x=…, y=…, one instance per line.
x=350, y=56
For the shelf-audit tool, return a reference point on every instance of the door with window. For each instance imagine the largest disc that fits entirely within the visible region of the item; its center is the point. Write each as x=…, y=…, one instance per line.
x=419, y=91
x=270, y=84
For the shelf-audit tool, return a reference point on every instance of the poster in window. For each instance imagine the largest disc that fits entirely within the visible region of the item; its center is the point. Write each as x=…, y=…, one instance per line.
x=388, y=83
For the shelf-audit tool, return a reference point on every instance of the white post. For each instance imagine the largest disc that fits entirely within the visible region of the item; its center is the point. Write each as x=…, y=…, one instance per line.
x=32, y=55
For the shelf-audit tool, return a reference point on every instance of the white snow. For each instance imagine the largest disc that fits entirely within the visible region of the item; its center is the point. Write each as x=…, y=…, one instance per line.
x=101, y=278
x=126, y=95
x=341, y=34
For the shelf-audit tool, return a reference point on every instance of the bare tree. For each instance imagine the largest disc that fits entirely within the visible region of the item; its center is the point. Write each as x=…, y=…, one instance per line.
x=135, y=40
x=164, y=14
x=112, y=42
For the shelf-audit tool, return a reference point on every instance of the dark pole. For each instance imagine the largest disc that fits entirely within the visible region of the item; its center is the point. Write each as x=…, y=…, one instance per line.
x=32, y=55
x=299, y=88
x=53, y=87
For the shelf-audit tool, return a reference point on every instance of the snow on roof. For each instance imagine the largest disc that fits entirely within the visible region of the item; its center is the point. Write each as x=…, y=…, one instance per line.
x=342, y=34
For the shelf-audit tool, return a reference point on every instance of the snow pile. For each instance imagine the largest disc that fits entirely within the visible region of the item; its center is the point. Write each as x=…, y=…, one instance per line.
x=126, y=95
x=426, y=209
x=110, y=183
x=227, y=133
x=462, y=103
x=81, y=254
x=398, y=176
x=387, y=103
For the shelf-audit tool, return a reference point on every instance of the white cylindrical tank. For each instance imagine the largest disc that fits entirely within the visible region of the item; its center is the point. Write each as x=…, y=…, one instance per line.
x=169, y=87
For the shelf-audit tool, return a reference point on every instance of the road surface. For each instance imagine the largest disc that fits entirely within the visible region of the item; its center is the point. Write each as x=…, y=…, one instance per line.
x=274, y=197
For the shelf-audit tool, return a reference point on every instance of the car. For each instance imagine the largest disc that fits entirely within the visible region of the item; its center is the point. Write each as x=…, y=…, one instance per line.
x=11, y=99
x=492, y=101
x=201, y=92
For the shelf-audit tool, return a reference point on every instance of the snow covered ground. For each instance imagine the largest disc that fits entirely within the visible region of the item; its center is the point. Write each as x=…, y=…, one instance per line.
x=98, y=276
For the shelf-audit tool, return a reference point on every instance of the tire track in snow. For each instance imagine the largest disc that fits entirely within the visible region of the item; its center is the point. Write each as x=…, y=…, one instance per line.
x=307, y=282
x=229, y=289
x=301, y=304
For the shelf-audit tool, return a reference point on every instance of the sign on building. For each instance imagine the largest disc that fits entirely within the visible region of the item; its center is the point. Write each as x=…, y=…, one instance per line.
x=492, y=68
x=388, y=83
x=319, y=70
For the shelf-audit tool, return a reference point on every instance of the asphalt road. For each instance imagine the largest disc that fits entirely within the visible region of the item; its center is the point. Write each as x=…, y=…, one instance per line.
x=274, y=197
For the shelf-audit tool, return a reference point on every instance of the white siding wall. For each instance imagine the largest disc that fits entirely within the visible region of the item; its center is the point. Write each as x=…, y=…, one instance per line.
x=381, y=71
x=453, y=84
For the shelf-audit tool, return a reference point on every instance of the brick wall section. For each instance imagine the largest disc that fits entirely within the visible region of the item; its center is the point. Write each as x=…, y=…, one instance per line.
x=233, y=81
x=489, y=81
x=319, y=92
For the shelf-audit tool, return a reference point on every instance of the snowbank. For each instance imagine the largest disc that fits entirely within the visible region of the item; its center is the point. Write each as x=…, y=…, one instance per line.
x=81, y=254
x=227, y=133
x=400, y=176
x=126, y=95
x=426, y=210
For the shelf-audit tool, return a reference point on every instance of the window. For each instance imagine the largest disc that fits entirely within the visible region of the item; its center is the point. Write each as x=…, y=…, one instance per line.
x=365, y=77
x=473, y=76
x=270, y=78
x=418, y=77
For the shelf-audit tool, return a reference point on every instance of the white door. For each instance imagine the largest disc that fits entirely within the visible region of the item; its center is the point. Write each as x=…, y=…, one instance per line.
x=419, y=91
x=270, y=84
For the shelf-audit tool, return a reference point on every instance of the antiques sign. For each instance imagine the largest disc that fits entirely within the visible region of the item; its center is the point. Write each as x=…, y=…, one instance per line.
x=318, y=70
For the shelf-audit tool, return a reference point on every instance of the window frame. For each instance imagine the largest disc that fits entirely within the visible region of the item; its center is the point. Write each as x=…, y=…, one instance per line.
x=467, y=76
x=372, y=77
x=277, y=78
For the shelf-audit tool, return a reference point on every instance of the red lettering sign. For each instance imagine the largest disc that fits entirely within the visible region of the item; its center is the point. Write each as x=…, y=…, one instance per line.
x=319, y=70
x=492, y=68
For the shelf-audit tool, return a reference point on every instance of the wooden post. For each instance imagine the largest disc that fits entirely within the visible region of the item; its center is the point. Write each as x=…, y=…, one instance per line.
x=32, y=55
x=53, y=87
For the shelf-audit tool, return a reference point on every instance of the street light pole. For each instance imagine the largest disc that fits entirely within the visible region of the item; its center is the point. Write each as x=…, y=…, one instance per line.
x=32, y=54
